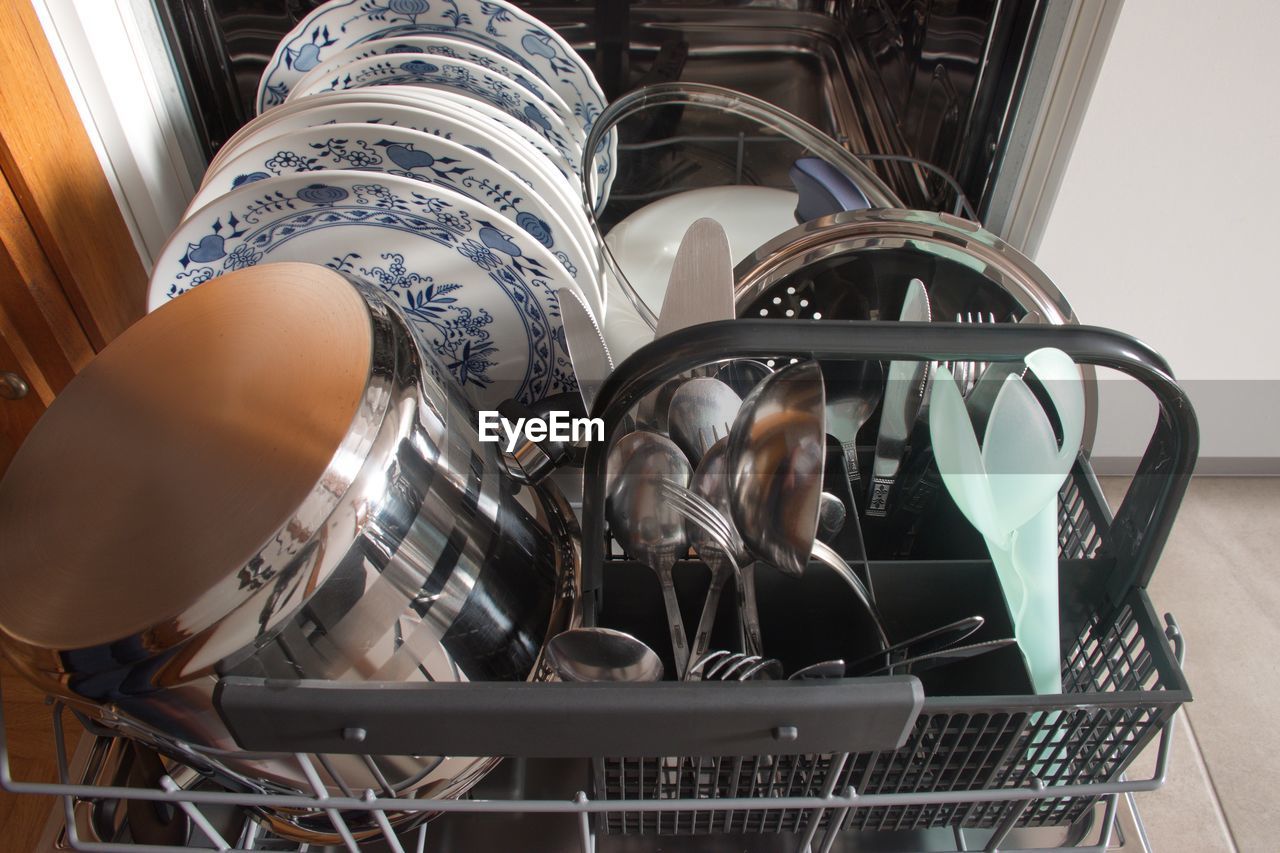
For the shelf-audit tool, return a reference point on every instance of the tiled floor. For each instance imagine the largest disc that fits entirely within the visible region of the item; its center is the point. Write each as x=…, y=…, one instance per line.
x=1220, y=577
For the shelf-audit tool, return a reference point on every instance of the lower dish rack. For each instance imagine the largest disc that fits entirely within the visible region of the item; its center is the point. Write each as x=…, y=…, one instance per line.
x=798, y=765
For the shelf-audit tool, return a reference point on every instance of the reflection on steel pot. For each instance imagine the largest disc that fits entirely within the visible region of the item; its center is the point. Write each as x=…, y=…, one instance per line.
x=266, y=477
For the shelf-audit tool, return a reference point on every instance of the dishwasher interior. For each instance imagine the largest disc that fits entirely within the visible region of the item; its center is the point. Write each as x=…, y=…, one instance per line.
x=925, y=92
x=933, y=80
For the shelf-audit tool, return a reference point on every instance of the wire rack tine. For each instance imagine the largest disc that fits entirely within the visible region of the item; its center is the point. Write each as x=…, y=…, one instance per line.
x=383, y=824
x=195, y=815
x=322, y=794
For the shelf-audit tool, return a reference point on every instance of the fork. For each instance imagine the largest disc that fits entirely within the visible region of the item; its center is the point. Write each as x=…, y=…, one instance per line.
x=724, y=665
x=697, y=510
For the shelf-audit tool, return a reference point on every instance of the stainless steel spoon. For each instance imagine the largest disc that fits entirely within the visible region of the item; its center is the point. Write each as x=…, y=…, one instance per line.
x=831, y=516
x=649, y=527
x=700, y=414
x=743, y=374
x=776, y=452
x=854, y=390
x=602, y=654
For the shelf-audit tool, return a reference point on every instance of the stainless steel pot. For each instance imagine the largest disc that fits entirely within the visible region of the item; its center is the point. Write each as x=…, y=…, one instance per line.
x=267, y=477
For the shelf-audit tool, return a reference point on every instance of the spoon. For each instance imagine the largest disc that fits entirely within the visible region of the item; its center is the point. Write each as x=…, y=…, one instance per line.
x=602, y=654
x=711, y=482
x=648, y=527
x=743, y=374
x=700, y=414
x=854, y=390
x=775, y=457
x=831, y=516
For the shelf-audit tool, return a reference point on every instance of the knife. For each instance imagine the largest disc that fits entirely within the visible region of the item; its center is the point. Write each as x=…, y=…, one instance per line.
x=588, y=351
x=926, y=643
x=700, y=289
x=932, y=660
x=904, y=392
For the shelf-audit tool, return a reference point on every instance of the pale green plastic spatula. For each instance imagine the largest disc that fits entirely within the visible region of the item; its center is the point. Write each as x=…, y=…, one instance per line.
x=1008, y=489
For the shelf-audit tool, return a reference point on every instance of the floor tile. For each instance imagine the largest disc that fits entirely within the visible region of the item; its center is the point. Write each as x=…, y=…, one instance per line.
x=1219, y=576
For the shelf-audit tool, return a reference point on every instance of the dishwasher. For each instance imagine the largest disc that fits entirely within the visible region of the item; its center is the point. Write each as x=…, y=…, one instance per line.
x=941, y=101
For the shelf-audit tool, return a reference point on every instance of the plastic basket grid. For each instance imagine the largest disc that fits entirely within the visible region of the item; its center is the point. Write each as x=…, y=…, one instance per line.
x=1121, y=654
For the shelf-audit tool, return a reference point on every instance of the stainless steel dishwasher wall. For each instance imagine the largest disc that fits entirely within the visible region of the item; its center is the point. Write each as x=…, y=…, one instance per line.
x=938, y=80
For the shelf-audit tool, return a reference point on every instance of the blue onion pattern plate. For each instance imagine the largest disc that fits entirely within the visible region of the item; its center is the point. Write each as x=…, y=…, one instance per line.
x=394, y=106
x=479, y=289
x=503, y=140
x=455, y=75
x=410, y=154
x=444, y=47
x=500, y=26
x=465, y=106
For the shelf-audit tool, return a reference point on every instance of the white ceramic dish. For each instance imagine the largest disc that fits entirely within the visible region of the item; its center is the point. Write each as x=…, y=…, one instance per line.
x=645, y=243
x=480, y=291
x=410, y=154
x=450, y=48
x=499, y=26
x=480, y=126
x=404, y=106
x=502, y=27
x=454, y=75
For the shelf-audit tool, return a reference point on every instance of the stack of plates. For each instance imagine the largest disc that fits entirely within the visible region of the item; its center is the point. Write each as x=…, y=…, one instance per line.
x=433, y=150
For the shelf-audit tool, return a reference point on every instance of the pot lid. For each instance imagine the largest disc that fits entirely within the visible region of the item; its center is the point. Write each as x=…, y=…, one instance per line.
x=177, y=453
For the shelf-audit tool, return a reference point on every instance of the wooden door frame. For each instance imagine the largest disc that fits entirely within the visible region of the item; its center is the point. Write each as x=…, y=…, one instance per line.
x=54, y=172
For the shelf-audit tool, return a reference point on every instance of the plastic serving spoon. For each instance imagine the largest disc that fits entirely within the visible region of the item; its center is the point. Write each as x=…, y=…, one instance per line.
x=1008, y=490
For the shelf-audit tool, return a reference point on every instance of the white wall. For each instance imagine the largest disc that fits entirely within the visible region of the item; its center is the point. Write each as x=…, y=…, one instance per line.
x=1166, y=220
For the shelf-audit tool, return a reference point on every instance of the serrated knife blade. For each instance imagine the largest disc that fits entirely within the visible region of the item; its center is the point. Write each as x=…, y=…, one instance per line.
x=588, y=351
x=903, y=394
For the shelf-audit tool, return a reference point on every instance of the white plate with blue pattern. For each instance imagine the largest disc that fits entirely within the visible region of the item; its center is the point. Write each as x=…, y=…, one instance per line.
x=405, y=106
x=423, y=157
x=463, y=104
x=500, y=26
x=479, y=289
x=455, y=75
x=445, y=47
x=505, y=140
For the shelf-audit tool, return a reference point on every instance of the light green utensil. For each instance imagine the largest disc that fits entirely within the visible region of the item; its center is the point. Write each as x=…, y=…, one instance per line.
x=1008, y=490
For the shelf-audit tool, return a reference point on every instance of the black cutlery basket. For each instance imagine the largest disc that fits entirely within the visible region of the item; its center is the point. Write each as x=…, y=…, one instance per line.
x=980, y=727
x=964, y=746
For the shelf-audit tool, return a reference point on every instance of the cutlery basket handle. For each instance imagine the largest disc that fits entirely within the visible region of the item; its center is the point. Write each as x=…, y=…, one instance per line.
x=1136, y=535
x=534, y=720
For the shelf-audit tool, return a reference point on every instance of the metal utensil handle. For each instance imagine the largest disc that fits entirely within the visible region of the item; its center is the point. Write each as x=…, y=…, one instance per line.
x=749, y=611
x=945, y=656
x=702, y=640
x=850, y=449
x=825, y=554
x=679, y=639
